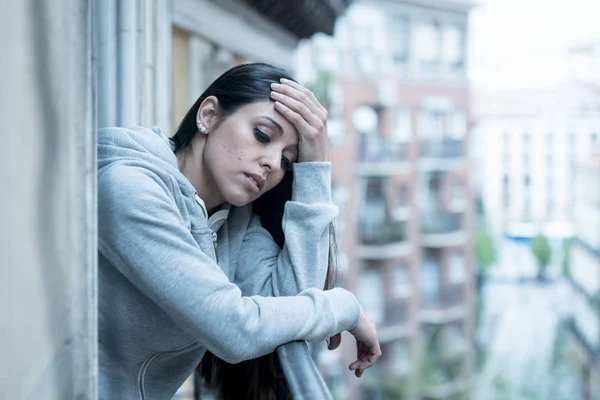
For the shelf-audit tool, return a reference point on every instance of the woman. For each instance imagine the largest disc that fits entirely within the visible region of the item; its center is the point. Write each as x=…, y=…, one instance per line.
x=186, y=266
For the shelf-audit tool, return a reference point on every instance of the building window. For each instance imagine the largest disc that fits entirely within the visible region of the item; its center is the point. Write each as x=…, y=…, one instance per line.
x=549, y=163
x=458, y=124
x=452, y=48
x=403, y=131
x=457, y=271
x=549, y=207
x=374, y=209
x=431, y=124
x=428, y=46
x=430, y=279
x=549, y=143
x=401, y=280
x=399, y=35
x=371, y=293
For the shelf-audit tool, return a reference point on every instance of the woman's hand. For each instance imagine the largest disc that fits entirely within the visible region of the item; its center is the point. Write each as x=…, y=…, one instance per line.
x=367, y=345
x=302, y=109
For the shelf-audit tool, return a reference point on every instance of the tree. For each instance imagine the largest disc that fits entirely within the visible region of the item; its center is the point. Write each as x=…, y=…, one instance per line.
x=566, y=262
x=320, y=87
x=542, y=252
x=485, y=251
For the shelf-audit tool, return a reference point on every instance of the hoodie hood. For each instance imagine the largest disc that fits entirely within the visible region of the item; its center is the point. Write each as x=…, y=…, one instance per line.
x=147, y=147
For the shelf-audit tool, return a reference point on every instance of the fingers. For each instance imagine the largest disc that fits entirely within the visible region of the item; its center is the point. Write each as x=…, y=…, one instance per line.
x=293, y=116
x=367, y=356
x=335, y=341
x=300, y=100
x=299, y=92
x=299, y=106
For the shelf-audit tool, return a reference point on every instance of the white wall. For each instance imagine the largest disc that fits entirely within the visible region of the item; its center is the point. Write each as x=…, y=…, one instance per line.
x=47, y=207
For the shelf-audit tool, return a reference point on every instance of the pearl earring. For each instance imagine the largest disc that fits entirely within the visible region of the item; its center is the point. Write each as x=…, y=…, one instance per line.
x=201, y=128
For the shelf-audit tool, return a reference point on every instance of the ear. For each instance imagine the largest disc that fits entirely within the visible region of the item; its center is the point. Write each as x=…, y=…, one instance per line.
x=207, y=115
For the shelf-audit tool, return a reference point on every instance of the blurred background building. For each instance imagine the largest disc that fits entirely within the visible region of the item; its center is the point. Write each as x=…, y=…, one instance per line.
x=584, y=323
x=528, y=142
x=394, y=78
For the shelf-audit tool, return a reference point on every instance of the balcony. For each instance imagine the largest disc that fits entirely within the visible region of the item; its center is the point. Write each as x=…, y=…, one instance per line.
x=443, y=377
x=441, y=154
x=439, y=390
x=447, y=305
x=441, y=230
x=388, y=240
x=378, y=157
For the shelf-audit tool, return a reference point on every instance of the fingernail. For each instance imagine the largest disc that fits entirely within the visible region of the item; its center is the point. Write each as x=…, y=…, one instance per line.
x=275, y=85
x=278, y=104
x=274, y=94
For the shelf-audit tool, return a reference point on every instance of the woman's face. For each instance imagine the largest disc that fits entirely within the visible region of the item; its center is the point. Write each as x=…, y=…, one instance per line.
x=249, y=152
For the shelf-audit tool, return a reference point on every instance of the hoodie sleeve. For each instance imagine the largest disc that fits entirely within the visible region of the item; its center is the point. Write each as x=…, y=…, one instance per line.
x=266, y=269
x=142, y=235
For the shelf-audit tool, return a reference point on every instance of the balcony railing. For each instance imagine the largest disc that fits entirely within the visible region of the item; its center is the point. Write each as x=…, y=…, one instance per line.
x=396, y=312
x=444, y=148
x=382, y=151
x=441, y=223
x=449, y=296
x=387, y=233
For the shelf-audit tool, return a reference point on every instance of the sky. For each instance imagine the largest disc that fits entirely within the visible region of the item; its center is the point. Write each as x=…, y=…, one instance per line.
x=522, y=43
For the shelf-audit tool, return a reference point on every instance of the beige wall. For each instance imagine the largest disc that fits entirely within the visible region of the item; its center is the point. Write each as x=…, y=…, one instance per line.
x=180, y=76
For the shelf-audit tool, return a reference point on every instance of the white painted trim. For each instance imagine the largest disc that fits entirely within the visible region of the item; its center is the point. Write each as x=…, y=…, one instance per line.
x=206, y=19
x=127, y=63
x=200, y=49
x=106, y=48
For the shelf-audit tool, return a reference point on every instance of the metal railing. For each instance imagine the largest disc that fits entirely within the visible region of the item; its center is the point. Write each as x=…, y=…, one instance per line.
x=396, y=312
x=447, y=297
x=441, y=223
x=443, y=148
x=386, y=233
x=375, y=150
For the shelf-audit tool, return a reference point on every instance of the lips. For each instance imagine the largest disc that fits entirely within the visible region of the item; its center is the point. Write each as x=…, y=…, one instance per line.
x=258, y=180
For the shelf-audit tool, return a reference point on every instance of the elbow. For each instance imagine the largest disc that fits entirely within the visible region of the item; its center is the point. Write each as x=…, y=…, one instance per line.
x=239, y=353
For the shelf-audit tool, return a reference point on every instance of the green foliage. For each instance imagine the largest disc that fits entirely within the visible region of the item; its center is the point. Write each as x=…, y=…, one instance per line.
x=320, y=87
x=542, y=252
x=566, y=261
x=398, y=389
x=485, y=251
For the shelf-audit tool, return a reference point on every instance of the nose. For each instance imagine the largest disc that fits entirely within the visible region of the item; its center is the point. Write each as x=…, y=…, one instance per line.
x=271, y=161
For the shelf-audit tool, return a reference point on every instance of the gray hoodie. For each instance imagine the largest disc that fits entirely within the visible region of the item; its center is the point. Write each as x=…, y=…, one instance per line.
x=163, y=297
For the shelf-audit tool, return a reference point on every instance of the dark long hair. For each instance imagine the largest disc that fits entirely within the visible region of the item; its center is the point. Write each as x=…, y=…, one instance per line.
x=259, y=378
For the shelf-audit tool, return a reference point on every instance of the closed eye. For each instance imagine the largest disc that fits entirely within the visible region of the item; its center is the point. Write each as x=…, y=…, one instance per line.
x=261, y=136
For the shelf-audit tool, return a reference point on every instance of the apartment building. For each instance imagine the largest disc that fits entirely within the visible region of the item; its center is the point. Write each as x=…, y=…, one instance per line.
x=399, y=122
x=528, y=143
x=584, y=324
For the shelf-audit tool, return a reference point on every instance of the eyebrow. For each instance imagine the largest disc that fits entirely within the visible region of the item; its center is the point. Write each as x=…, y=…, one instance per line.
x=275, y=123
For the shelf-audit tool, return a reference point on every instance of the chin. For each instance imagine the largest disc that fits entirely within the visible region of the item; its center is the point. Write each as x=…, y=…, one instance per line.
x=240, y=199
